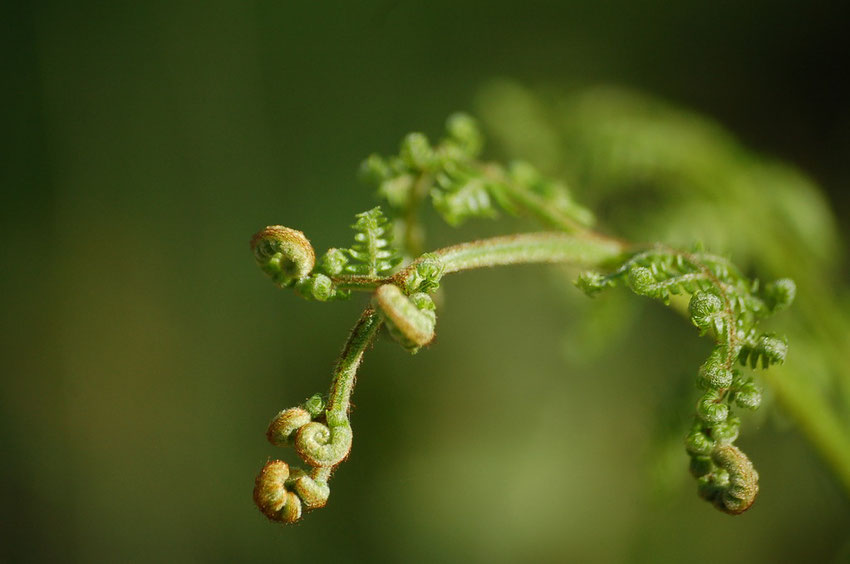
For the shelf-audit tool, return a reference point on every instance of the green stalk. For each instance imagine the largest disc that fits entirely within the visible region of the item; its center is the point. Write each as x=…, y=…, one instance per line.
x=361, y=337
x=527, y=248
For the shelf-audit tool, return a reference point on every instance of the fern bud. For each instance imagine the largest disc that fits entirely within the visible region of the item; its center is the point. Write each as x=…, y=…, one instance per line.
x=313, y=493
x=333, y=262
x=748, y=396
x=767, y=348
x=283, y=254
x=713, y=374
x=322, y=446
x=464, y=130
x=424, y=276
x=375, y=170
x=726, y=433
x=317, y=287
x=271, y=495
x=410, y=320
x=703, y=308
x=416, y=152
x=698, y=443
x=772, y=350
x=779, y=294
x=315, y=405
x=641, y=281
x=733, y=486
x=711, y=408
x=283, y=427
x=591, y=283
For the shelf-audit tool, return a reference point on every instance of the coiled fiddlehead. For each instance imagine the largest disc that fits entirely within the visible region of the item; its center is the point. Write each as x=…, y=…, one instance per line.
x=320, y=445
x=730, y=482
x=319, y=431
x=284, y=254
x=410, y=320
x=271, y=496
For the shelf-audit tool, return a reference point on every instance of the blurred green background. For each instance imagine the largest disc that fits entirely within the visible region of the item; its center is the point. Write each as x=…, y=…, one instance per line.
x=144, y=353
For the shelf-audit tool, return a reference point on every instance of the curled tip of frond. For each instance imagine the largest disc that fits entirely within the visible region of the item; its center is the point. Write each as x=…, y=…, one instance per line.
x=284, y=254
x=416, y=152
x=711, y=408
x=703, y=308
x=315, y=405
x=283, y=427
x=464, y=130
x=641, y=280
x=592, y=283
x=318, y=287
x=766, y=350
x=714, y=374
x=732, y=483
x=271, y=496
x=748, y=396
x=322, y=446
x=333, y=262
x=410, y=320
x=423, y=275
x=313, y=493
x=780, y=294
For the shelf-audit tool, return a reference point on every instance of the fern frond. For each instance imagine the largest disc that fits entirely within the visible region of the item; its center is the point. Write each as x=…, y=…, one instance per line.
x=767, y=349
x=461, y=197
x=727, y=306
x=372, y=253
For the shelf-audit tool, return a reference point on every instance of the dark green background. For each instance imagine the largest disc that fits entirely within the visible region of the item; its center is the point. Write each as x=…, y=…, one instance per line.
x=143, y=353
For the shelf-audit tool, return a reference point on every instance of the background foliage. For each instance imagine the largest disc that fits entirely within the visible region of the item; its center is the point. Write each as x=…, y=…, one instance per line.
x=144, y=354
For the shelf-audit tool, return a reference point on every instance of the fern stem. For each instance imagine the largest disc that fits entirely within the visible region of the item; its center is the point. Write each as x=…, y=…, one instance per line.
x=526, y=248
x=345, y=372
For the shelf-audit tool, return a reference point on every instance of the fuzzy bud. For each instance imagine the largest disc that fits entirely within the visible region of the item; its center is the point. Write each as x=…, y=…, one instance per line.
x=271, y=495
x=284, y=254
x=282, y=429
x=410, y=320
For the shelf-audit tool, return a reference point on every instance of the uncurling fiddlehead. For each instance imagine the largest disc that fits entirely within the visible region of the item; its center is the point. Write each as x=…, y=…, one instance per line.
x=284, y=254
x=727, y=306
x=409, y=319
x=723, y=304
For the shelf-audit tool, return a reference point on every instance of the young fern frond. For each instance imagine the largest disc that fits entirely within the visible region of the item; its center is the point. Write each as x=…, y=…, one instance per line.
x=372, y=253
x=461, y=187
x=728, y=307
x=723, y=303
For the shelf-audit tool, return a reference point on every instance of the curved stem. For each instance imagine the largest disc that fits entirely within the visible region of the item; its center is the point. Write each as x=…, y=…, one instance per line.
x=527, y=248
x=345, y=372
x=524, y=248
